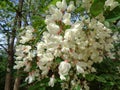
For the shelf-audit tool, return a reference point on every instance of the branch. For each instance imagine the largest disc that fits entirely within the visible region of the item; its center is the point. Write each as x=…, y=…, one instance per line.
x=4, y=47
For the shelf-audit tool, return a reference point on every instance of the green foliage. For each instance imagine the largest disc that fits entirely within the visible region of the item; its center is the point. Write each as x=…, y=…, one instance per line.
x=106, y=77
x=90, y=77
x=77, y=87
x=97, y=7
x=3, y=59
x=118, y=1
x=41, y=85
x=2, y=4
x=58, y=60
x=113, y=15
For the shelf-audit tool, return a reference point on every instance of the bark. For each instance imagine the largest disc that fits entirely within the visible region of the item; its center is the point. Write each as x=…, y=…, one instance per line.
x=17, y=82
x=18, y=79
x=9, y=77
x=8, y=81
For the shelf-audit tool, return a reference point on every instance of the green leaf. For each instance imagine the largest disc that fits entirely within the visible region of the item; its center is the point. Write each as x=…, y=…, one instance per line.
x=53, y=2
x=79, y=9
x=100, y=79
x=97, y=7
x=24, y=84
x=118, y=1
x=58, y=60
x=111, y=83
x=90, y=77
x=113, y=15
x=77, y=87
x=37, y=88
x=3, y=4
x=42, y=88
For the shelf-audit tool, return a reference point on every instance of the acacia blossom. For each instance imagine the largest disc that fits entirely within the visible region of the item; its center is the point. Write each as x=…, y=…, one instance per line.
x=67, y=48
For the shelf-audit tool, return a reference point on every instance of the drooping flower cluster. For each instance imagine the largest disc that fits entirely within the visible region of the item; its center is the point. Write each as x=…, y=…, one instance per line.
x=67, y=48
x=25, y=53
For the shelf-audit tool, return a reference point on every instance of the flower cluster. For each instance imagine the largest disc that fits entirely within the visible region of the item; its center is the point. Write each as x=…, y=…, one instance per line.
x=111, y=3
x=25, y=53
x=77, y=45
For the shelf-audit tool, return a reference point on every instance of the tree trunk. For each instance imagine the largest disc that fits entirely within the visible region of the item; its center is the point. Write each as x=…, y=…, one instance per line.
x=9, y=76
x=18, y=79
x=17, y=82
x=8, y=81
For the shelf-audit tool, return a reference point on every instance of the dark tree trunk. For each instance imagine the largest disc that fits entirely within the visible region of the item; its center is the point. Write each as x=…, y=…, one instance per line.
x=17, y=82
x=18, y=79
x=8, y=81
x=9, y=74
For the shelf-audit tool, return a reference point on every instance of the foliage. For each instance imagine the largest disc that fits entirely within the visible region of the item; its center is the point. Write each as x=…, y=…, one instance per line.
x=2, y=68
x=97, y=7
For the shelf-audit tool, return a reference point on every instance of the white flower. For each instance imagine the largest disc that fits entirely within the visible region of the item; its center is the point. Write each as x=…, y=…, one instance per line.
x=73, y=82
x=45, y=70
x=41, y=46
x=62, y=5
x=28, y=35
x=118, y=24
x=86, y=4
x=80, y=66
x=29, y=56
x=64, y=68
x=27, y=67
x=111, y=3
x=66, y=19
x=52, y=81
x=30, y=28
x=47, y=57
x=52, y=9
x=71, y=7
x=19, y=52
x=68, y=35
x=30, y=79
x=77, y=25
x=26, y=48
x=59, y=4
x=93, y=69
x=57, y=53
x=53, y=28
x=24, y=39
x=62, y=77
x=57, y=15
x=32, y=76
x=19, y=64
x=42, y=67
x=49, y=19
x=86, y=87
x=94, y=55
x=79, y=69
